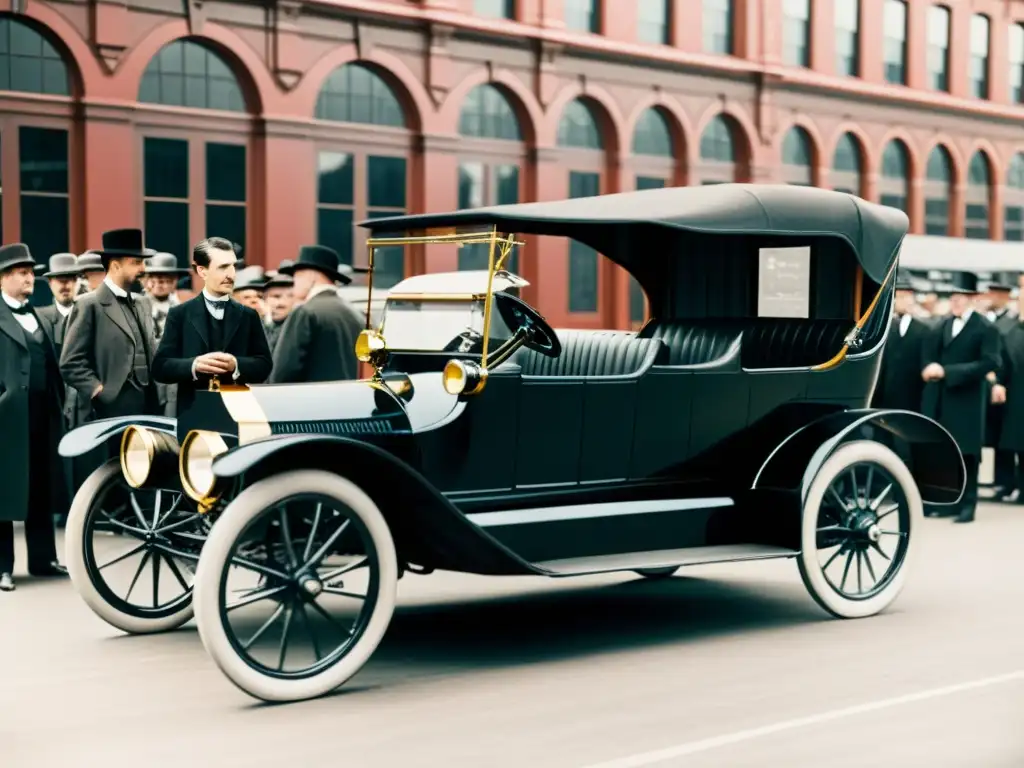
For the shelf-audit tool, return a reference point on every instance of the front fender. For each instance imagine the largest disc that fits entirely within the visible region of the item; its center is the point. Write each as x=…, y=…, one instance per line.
x=96, y=433
x=930, y=452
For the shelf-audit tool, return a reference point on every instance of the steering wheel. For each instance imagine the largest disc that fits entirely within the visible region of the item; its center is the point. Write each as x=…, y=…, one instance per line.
x=517, y=314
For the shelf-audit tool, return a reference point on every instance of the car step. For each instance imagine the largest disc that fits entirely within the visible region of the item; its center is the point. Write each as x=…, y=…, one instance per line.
x=662, y=558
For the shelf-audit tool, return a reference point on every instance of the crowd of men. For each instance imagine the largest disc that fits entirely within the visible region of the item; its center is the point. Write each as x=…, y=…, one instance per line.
x=962, y=365
x=119, y=341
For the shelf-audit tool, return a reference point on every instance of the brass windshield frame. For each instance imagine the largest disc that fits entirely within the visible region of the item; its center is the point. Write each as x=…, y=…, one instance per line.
x=500, y=246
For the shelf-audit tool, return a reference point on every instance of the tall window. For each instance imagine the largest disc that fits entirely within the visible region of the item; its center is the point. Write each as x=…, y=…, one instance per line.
x=847, y=15
x=495, y=9
x=652, y=21
x=979, y=55
x=578, y=130
x=29, y=62
x=846, y=165
x=43, y=161
x=894, y=30
x=1013, y=214
x=655, y=160
x=796, y=32
x=979, y=188
x=717, y=26
x=583, y=15
x=718, y=156
x=938, y=47
x=362, y=165
x=1016, y=55
x=225, y=191
x=165, y=181
x=937, y=188
x=187, y=74
x=894, y=186
x=652, y=136
x=797, y=157
x=492, y=152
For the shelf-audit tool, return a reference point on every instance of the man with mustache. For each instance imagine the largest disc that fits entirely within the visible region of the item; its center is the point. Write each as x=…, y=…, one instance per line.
x=63, y=280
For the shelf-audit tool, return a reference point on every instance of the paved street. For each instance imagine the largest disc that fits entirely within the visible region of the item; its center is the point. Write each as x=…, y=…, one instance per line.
x=723, y=666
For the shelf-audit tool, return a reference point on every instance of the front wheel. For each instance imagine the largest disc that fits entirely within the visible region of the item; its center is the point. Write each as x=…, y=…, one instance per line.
x=296, y=585
x=859, y=530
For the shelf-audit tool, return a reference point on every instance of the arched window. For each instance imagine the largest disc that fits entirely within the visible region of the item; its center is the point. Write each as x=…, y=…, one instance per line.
x=846, y=165
x=894, y=186
x=797, y=157
x=718, y=155
x=1013, y=214
x=37, y=172
x=937, y=187
x=652, y=135
x=490, y=157
x=579, y=133
x=979, y=189
x=362, y=163
x=187, y=74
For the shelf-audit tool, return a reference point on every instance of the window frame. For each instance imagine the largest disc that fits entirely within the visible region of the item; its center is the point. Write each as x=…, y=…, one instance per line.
x=1015, y=57
x=887, y=184
x=664, y=37
x=974, y=197
x=848, y=66
x=840, y=175
x=572, y=13
x=938, y=81
x=710, y=8
x=714, y=171
x=980, y=88
x=935, y=190
x=1013, y=200
x=886, y=63
x=789, y=24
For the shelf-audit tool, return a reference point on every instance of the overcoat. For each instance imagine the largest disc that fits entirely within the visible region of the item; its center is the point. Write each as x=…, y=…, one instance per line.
x=14, y=421
x=317, y=342
x=57, y=323
x=899, y=378
x=959, y=401
x=1012, y=438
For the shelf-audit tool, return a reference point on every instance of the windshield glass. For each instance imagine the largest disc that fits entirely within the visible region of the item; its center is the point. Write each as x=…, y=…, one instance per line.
x=425, y=326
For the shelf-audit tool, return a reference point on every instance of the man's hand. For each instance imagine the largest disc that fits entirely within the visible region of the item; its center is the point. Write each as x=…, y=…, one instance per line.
x=998, y=394
x=215, y=363
x=96, y=392
x=933, y=372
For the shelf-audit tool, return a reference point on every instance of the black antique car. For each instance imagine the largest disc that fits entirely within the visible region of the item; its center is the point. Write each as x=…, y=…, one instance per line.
x=733, y=426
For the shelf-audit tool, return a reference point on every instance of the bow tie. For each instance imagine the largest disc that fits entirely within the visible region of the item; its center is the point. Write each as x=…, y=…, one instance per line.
x=217, y=305
x=24, y=309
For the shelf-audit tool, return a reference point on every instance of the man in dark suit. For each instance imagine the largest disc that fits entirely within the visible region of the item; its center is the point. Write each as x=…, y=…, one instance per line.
x=318, y=340
x=899, y=380
x=956, y=358
x=1001, y=314
x=211, y=336
x=279, y=298
x=93, y=272
x=161, y=279
x=63, y=279
x=108, y=346
x=1012, y=381
x=31, y=391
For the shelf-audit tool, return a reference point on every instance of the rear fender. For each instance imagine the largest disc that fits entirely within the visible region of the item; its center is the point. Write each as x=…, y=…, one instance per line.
x=428, y=529
x=83, y=439
x=929, y=451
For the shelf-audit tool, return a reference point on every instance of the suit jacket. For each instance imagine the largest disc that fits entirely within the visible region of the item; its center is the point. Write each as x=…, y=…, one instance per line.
x=99, y=347
x=167, y=394
x=317, y=342
x=958, y=401
x=1012, y=413
x=15, y=430
x=57, y=323
x=899, y=378
x=186, y=337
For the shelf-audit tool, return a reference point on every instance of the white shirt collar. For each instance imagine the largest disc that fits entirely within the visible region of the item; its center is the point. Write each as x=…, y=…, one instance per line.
x=115, y=289
x=216, y=299
x=62, y=310
x=905, y=321
x=12, y=303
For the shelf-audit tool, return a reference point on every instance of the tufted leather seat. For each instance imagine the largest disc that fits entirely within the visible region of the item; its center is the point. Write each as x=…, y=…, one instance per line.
x=788, y=343
x=697, y=342
x=593, y=353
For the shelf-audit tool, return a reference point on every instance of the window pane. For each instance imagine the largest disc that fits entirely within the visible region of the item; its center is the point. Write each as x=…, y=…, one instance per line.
x=795, y=32
x=43, y=160
x=471, y=185
x=386, y=178
x=225, y=173
x=334, y=178
x=578, y=128
x=166, y=229
x=652, y=21
x=226, y=221
x=388, y=263
x=495, y=9
x=582, y=15
x=28, y=62
x=847, y=156
x=717, y=23
x=1016, y=55
x=165, y=167
x=938, y=47
x=583, y=266
x=716, y=142
x=649, y=182
x=506, y=184
x=894, y=28
x=185, y=73
x=44, y=225
x=652, y=136
x=487, y=114
x=356, y=94
x=334, y=228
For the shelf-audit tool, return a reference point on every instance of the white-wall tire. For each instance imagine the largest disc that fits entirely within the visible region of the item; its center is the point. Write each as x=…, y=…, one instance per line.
x=247, y=509
x=909, y=514
x=84, y=578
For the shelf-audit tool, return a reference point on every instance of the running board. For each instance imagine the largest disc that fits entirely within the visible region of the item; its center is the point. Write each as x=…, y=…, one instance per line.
x=662, y=558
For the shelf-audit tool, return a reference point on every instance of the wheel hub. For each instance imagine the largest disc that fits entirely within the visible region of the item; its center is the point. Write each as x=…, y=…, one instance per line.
x=311, y=586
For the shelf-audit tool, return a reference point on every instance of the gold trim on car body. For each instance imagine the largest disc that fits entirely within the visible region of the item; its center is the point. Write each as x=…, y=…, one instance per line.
x=245, y=410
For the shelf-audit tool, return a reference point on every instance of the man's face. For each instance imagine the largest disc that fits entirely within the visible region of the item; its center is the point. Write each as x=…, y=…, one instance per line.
x=960, y=303
x=18, y=282
x=279, y=302
x=219, y=277
x=125, y=271
x=929, y=301
x=93, y=279
x=904, y=302
x=998, y=299
x=63, y=290
x=161, y=286
x=249, y=297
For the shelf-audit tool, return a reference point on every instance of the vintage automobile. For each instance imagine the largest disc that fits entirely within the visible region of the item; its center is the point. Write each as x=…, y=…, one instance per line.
x=733, y=426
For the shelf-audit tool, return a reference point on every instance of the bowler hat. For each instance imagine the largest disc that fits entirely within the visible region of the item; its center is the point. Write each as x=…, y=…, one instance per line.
x=90, y=261
x=15, y=255
x=963, y=282
x=164, y=264
x=904, y=284
x=250, y=278
x=321, y=258
x=277, y=279
x=122, y=243
x=63, y=265
x=1000, y=287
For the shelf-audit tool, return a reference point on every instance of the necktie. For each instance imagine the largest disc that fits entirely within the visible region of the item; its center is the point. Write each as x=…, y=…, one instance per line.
x=24, y=309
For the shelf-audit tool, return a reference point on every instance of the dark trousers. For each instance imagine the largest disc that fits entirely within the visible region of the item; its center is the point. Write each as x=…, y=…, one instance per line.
x=130, y=401
x=1005, y=474
x=42, y=549
x=970, y=498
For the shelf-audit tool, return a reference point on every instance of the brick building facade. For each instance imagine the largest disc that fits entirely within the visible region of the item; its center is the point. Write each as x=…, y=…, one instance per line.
x=281, y=122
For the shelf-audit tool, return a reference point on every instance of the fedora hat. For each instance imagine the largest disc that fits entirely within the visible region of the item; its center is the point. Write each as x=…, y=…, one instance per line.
x=250, y=278
x=63, y=265
x=90, y=261
x=321, y=258
x=163, y=264
x=963, y=282
x=15, y=255
x=276, y=279
x=122, y=243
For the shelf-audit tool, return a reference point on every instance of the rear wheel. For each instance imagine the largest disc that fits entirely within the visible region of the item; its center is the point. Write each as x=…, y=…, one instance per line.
x=859, y=530
x=296, y=585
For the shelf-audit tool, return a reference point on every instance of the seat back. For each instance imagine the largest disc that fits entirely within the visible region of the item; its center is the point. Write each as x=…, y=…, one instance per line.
x=696, y=342
x=775, y=342
x=593, y=354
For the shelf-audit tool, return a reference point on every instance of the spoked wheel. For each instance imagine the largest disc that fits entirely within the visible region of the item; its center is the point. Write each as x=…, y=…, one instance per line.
x=657, y=573
x=862, y=513
x=132, y=553
x=296, y=585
